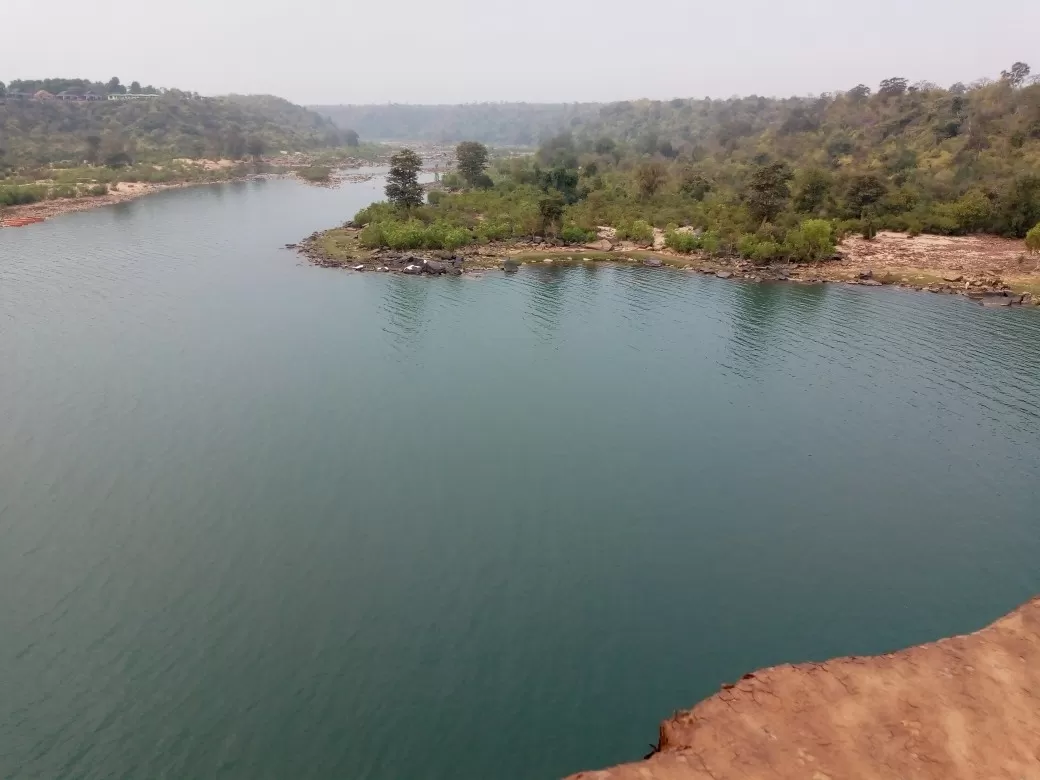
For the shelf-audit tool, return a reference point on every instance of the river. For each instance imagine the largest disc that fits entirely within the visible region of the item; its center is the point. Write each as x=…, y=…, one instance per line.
x=264, y=520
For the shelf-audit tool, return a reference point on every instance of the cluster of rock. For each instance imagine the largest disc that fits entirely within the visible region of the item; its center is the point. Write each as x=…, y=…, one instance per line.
x=412, y=264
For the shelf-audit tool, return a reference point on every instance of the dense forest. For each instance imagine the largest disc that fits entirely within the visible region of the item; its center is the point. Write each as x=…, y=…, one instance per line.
x=173, y=124
x=767, y=179
x=503, y=124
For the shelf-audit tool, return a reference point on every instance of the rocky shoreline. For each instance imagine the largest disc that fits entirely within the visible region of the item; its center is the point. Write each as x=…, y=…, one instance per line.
x=963, y=707
x=989, y=287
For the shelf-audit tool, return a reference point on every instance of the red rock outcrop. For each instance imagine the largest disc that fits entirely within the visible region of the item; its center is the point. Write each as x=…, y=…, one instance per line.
x=960, y=708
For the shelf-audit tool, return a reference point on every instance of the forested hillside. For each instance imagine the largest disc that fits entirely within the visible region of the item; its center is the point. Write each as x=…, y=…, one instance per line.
x=767, y=179
x=504, y=124
x=171, y=125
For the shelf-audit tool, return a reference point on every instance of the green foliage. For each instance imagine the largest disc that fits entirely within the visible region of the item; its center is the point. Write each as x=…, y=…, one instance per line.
x=572, y=234
x=638, y=231
x=172, y=125
x=811, y=241
x=650, y=177
x=768, y=190
x=682, y=241
x=402, y=182
x=472, y=160
x=318, y=174
x=1033, y=239
x=550, y=208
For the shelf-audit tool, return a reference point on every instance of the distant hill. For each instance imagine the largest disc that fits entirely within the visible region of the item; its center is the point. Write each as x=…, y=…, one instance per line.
x=507, y=124
x=174, y=124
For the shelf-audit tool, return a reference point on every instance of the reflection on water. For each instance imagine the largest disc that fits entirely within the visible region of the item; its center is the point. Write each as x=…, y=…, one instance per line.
x=261, y=519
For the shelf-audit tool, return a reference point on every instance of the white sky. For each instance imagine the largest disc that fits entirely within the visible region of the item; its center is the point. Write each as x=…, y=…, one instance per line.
x=448, y=51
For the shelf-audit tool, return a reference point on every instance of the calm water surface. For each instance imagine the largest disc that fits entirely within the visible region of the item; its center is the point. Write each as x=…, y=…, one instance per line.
x=263, y=520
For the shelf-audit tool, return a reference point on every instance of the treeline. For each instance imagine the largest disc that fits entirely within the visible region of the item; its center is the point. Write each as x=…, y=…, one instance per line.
x=56, y=85
x=169, y=126
x=512, y=124
x=913, y=158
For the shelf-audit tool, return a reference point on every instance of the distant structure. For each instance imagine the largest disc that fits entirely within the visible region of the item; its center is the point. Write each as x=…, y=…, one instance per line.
x=132, y=97
x=79, y=97
x=43, y=95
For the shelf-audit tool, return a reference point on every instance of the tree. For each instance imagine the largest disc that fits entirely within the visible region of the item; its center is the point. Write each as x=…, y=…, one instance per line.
x=550, y=209
x=650, y=177
x=1033, y=240
x=811, y=189
x=93, y=149
x=1017, y=76
x=135, y=88
x=402, y=182
x=693, y=185
x=859, y=93
x=351, y=138
x=255, y=147
x=3, y=90
x=114, y=87
x=863, y=192
x=768, y=191
x=472, y=160
x=893, y=87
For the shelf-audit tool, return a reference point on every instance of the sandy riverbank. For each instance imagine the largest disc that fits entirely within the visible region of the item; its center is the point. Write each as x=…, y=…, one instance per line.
x=118, y=193
x=957, y=709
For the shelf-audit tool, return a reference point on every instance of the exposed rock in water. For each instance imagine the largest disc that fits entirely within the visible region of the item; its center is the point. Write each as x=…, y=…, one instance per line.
x=600, y=246
x=653, y=262
x=867, y=274
x=953, y=277
x=435, y=267
x=412, y=269
x=724, y=274
x=959, y=708
x=870, y=282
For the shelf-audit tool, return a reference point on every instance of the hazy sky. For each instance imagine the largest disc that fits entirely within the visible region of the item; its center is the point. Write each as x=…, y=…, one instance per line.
x=439, y=51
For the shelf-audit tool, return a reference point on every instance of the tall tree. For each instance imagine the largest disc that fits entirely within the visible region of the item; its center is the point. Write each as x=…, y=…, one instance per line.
x=472, y=160
x=768, y=191
x=893, y=87
x=402, y=182
x=114, y=87
x=135, y=87
x=93, y=149
x=351, y=138
x=1017, y=76
x=650, y=177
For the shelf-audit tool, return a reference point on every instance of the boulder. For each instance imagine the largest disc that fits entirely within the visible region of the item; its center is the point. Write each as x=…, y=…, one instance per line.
x=600, y=246
x=867, y=274
x=435, y=267
x=870, y=282
x=412, y=269
x=653, y=262
x=724, y=274
x=359, y=267
x=953, y=277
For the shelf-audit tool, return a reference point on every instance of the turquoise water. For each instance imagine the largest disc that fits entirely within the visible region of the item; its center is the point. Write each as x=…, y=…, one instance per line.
x=265, y=520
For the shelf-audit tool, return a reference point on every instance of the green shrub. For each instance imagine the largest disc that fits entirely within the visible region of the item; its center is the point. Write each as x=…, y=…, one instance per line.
x=572, y=234
x=434, y=197
x=317, y=174
x=746, y=246
x=639, y=232
x=682, y=241
x=766, y=251
x=1033, y=239
x=711, y=242
x=98, y=189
